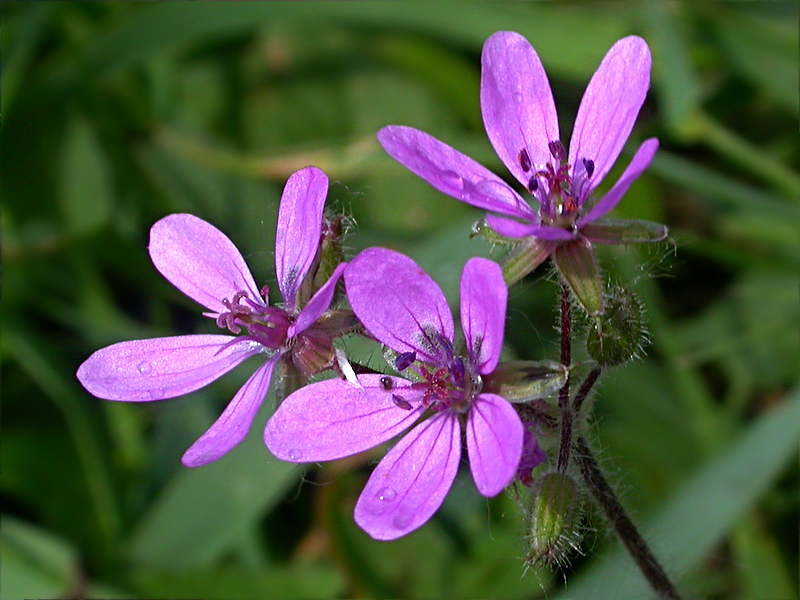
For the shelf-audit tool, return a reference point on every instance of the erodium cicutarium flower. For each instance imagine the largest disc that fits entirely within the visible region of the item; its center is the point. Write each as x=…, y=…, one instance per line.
x=204, y=264
x=401, y=306
x=521, y=121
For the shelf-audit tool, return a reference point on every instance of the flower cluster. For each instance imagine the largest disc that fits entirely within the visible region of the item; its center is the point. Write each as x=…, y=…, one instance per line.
x=435, y=386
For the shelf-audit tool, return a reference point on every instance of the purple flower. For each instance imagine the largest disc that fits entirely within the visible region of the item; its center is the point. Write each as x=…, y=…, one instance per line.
x=520, y=119
x=204, y=264
x=401, y=306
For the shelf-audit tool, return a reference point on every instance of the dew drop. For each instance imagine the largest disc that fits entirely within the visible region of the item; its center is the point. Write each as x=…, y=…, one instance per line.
x=402, y=521
x=517, y=96
x=386, y=495
x=376, y=508
x=144, y=367
x=156, y=394
x=452, y=180
x=295, y=454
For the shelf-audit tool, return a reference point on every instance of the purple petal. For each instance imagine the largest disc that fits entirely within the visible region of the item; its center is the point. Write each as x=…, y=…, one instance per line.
x=299, y=229
x=494, y=443
x=411, y=481
x=610, y=106
x=517, y=105
x=199, y=260
x=514, y=229
x=451, y=172
x=318, y=304
x=640, y=161
x=483, y=311
x=398, y=302
x=144, y=370
x=335, y=418
x=234, y=423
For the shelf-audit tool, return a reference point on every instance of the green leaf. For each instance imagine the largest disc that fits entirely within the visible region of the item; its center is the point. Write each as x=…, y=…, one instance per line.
x=36, y=564
x=704, y=510
x=204, y=511
x=86, y=191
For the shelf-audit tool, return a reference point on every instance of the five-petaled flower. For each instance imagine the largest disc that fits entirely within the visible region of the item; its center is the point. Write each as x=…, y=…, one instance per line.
x=401, y=306
x=204, y=264
x=521, y=121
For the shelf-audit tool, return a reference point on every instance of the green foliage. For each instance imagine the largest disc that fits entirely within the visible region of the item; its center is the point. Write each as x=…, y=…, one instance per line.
x=117, y=114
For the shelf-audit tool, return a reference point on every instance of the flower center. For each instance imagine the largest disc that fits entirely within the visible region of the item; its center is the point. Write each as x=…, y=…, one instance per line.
x=560, y=193
x=450, y=382
x=265, y=324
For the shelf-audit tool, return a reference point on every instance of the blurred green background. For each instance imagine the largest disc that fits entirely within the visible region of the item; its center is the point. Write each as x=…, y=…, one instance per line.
x=117, y=114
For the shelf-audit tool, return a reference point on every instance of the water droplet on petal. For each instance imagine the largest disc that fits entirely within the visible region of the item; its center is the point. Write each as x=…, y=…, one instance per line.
x=517, y=96
x=156, y=394
x=498, y=191
x=295, y=454
x=452, y=180
x=386, y=495
x=144, y=367
x=402, y=521
x=376, y=508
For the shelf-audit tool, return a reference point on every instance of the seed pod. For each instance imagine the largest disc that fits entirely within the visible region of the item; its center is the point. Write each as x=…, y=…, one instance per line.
x=553, y=520
x=619, y=333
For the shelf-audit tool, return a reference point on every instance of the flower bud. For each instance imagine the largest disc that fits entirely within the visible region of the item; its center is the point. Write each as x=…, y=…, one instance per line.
x=525, y=380
x=618, y=334
x=553, y=523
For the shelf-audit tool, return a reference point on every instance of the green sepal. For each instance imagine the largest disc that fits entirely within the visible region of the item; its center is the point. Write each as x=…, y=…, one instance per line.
x=525, y=257
x=624, y=231
x=577, y=265
x=553, y=519
x=525, y=380
x=483, y=229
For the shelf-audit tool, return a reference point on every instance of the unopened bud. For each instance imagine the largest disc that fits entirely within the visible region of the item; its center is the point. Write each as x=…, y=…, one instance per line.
x=619, y=333
x=330, y=249
x=525, y=380
x=553, y=527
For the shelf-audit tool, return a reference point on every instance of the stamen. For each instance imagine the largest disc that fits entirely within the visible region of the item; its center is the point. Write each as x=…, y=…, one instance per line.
x=404, y=360
x=386, y=383
x=401, y=402
x=524, y=160
x=588, y=164
x=533, y=184
x=557, y=150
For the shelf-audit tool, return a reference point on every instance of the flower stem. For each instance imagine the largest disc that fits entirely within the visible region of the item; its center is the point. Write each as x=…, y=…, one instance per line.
x=564, y=407
x=586, y=387
x=622, y=524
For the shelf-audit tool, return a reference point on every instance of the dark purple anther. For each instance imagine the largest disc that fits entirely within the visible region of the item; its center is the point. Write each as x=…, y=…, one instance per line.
x=588, y=164
x=533, y=184
x=557, y=150
x=404, y=360
x=401, y=402
x=524, y=160
x=457, y=371
x=386, y=383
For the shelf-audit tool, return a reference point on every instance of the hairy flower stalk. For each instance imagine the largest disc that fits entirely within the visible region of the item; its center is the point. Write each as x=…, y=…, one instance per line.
x=204, y=264
x=521, y=121
x=401, y=306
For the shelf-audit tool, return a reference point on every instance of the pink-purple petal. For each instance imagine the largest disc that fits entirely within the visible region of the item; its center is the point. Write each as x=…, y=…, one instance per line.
x=299, y=229
x=234, y=423
x=640, y=161
x=451, y=172
x=159, y=368
x=610, y=106
x=335, y=418
x=517, y=104
x=515, y=229
x=398, y=302
x=318, y=304
x=412, y=480
x=494, y=443
x=199, y=260
x=483, y=311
